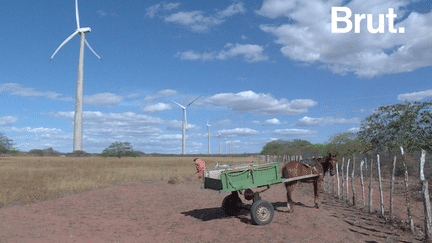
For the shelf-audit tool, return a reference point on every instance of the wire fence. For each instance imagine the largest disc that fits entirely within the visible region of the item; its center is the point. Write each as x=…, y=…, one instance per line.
x=414, y=169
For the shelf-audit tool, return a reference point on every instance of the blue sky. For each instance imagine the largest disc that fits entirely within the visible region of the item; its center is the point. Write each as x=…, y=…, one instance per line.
x=266, y=70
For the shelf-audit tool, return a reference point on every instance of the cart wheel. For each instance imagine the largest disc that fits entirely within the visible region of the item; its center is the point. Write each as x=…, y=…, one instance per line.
x=262, y=212
x=230, y=204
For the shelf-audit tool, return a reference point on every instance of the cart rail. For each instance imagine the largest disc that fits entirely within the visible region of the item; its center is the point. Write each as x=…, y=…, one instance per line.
x=246, y=176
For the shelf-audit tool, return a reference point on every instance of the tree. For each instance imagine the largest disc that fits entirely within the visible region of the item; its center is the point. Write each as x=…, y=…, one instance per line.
x=118, y=149
x=274, y=147
x=407, y=125
x=346, y=144
x=280, y=146
x=6, y=144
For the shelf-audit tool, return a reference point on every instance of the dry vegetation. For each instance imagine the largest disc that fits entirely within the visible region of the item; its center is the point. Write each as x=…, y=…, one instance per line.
x=26, y=180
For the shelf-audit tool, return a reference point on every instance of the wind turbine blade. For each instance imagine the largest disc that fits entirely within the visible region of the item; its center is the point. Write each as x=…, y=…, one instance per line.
x=62, y=44
x=93, y=50
x=76, y=13
x=193, y=101
x=179, y=105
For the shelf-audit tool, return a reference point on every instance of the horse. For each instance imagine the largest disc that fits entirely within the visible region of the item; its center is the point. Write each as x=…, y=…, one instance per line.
x=296, y=168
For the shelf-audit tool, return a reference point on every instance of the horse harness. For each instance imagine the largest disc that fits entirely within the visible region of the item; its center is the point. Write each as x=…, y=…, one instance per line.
x=311, y=167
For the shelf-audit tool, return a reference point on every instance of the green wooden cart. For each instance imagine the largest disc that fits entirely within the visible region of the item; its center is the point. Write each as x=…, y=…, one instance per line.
x=241, y=179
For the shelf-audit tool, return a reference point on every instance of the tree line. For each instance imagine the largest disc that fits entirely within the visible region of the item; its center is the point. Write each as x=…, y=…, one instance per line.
x=387, y=129
x=116, y=149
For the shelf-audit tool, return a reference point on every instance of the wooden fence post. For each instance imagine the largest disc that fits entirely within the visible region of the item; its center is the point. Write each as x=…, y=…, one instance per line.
x=343, y=181
x=352, y=183
x=370, y=188
x=426, y=199
x=347, y=171
x=392, y=188
x=380, y=186
x=338, y=185
x=361, y=181
x=333, y=183
x=411, y=223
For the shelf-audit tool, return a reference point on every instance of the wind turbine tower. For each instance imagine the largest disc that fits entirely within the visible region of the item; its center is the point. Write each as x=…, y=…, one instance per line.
x=219, y=143
x=208, y=131
x=77, y=142
x=184, y=124
x=225, y=145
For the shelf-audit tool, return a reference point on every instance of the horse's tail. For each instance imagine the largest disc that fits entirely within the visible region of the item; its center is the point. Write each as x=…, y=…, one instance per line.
x=284, y=173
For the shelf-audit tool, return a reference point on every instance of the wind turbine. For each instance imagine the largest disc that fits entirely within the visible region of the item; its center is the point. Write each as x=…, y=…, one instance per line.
x=219, y=143
x=184, y=124
x=77, y=142
x=225, y=145
x=208, y=131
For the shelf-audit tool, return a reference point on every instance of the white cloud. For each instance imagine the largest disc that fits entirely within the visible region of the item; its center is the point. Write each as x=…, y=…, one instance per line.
x=308, y=37
x=273, y=121
x=178, y=126
x=251, y=53
x=354, y=129
x=197, y=20
x=102, y=99
x=294, y=132
x=268, y=122
x=20, y=90
x=101, y=13
x=133, y=96
x=234, y=8
x=36, y=130
x=97, y=118
x=161, y=94
x=238, y=132
x=265, y=104
x=310, y=121
x=8, y=120
x=225, y=122
x=153, y=10
x=275, y=8
x=243, y=37
x=170, y=6
x=415, y=96
x=157, y=107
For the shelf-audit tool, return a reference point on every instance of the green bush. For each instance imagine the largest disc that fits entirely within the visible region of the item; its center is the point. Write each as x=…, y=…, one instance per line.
x=36, y=152
x=118, y=149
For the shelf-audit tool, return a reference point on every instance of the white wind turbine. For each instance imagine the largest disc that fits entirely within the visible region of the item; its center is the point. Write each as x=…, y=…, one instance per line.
x=77, y=142
x=208, y=131
x=225, y=146
x=219, y=143
x=184, y=124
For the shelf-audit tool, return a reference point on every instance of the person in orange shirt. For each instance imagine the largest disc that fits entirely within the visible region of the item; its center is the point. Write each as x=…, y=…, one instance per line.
x=200, y=166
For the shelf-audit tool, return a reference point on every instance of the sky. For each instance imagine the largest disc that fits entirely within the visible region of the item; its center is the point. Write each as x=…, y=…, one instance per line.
x=263, y=70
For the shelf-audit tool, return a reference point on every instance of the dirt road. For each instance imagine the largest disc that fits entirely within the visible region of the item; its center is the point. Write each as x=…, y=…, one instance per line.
x=161, y=212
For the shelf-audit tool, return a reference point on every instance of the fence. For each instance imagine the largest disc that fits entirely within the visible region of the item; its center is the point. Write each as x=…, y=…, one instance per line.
x=350, y=172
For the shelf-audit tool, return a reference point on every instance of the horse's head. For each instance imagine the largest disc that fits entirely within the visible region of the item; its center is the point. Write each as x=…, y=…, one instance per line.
x=332, y=161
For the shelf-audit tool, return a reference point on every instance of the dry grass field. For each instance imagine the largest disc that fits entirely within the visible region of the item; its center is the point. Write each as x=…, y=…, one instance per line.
x=25, y=180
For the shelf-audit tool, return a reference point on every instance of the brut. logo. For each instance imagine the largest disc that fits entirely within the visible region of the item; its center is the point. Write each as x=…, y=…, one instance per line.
x=357, y=21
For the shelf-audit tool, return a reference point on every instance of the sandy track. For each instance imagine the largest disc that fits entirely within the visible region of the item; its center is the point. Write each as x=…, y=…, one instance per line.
x=161, y=212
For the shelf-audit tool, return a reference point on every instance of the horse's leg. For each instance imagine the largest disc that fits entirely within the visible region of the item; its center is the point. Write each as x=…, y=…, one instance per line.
x=290, y=189
x=317, y=190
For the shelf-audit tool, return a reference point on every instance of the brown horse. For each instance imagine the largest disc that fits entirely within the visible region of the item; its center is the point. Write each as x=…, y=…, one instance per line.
x=295, y=168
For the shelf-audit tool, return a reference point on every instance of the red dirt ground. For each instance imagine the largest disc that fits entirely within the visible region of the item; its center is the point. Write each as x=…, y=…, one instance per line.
x=161, y=212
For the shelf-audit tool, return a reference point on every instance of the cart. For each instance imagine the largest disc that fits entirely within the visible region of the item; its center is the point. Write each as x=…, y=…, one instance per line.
x=241, y=179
